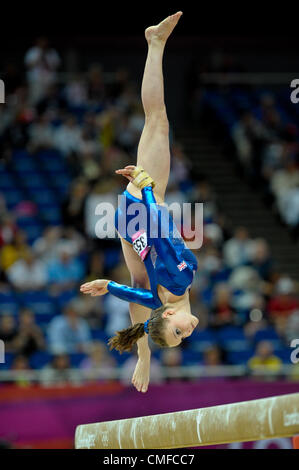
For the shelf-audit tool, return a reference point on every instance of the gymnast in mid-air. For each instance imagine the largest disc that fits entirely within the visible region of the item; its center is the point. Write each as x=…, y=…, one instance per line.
x=161, y=266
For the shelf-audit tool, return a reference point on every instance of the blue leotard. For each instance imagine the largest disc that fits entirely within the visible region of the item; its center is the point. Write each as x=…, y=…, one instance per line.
x=169, y=262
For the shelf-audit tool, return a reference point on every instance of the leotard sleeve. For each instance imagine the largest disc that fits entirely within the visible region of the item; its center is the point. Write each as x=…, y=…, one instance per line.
x=143, y=297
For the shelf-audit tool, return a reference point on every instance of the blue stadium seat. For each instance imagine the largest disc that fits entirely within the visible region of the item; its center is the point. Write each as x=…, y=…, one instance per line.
x=99, y=335
x=239, y=357
x=40, y=359
x=201, y=340
x=76, y=359
x=9, y=303
x=33, y=180
x=46, y=196
x=191, y=357
x=39, y=302
x=268, y=334
x=232, y=338
x=284, y=353
x=9, y=357
x=12, y=196
x=7, y=181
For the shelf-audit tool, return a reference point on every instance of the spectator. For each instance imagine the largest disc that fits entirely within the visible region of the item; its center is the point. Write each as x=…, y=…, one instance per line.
x=28, y=273
x=41, y=134
x=69, y=333
x=21, y=364
x=8, y=331
x=29, y=338
x=285, y=179
x=237, y=250
x=260, y=259
x=99, y=363
x=74, y=204
x=59, y=373
x=283, y=303
x=14, y=250
x=67, y=136
x=222, y=313
x=264, y=358
x=45, y=247
x=213, y=356
x=42, y=62
x=65, y=272
x=8, y=229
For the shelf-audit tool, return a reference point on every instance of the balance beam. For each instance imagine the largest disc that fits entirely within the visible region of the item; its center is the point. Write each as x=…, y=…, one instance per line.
x=237, y=422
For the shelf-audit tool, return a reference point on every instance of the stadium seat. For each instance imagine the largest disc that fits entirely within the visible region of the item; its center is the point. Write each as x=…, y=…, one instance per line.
x=76, y=359
x=191, y=357
x=232, y=338
x=239, y=357
x=40, y=359
x=39, y=302
x=268, y=334
x=9, y=303
x=201, y=340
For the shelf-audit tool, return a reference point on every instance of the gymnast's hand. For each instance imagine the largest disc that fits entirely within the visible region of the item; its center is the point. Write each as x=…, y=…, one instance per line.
x=136, y=175
x=94, y=288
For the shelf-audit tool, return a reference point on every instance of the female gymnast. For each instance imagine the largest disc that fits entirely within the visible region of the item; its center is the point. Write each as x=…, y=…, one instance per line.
x=161, y=268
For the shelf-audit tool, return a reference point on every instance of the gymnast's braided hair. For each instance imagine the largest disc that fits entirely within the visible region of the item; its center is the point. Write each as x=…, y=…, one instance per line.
x=125, y=339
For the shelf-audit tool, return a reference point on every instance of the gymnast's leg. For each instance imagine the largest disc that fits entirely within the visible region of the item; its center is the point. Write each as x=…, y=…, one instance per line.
x=153, y=150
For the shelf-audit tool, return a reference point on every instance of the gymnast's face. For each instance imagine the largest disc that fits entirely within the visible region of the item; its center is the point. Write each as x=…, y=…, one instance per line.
x=179, y=325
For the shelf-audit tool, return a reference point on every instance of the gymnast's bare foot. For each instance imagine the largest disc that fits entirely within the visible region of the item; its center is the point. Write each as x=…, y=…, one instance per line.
x=162, y=31
x=141, y=375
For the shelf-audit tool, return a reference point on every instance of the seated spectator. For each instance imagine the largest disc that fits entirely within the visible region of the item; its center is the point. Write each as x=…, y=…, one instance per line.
x=21, y=364
x=246, y=281
x=29, y=338
x=68, y=333
x=264, y=358
x=99, y=362
x=213, y=356
x=203, y=192
x=65, y=272
x=285, y=179
x=41, y=61
x=41, y=134
x=71, y=241
x=14, y=250
x=180, y=164
x=8, y=331
x=45, y=247
x=28, y=273
x=222, y=312
x=237, y=250
x=260, y=259
x=291, y=330
x=58, y=372
x=282, y=303
x=74, y=204
x=8, y=229
x=75, y=92
x=249, y=136
x=67, y=136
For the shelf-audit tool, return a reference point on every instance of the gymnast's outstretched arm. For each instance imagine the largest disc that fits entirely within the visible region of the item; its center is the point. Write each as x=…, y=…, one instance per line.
x=139, y=296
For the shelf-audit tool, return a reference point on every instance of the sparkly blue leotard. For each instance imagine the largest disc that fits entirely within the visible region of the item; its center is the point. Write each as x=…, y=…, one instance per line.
x=168, y=261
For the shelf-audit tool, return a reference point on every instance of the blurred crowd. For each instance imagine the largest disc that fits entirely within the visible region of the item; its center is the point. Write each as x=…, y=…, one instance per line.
x=262, y=123
x=93, y=125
